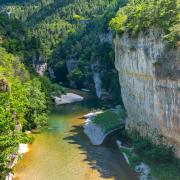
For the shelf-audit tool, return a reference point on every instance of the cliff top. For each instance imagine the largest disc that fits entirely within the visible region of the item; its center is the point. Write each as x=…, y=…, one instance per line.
x=139, y=15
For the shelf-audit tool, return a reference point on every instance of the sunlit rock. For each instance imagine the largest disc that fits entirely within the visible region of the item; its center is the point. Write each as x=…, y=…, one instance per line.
x=149, y=75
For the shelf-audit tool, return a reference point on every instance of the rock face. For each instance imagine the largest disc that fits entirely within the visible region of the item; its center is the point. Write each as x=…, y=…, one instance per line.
x=94, y=132
x=98, y=84
x=97, y=78
x=4, y=85
x=39, y=63
x=149, y=75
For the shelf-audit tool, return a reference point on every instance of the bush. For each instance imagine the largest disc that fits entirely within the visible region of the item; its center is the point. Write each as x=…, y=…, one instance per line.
x=57, y=89
x=77, y=76
x=141, y=146
x=153, y=153
x=139, y=15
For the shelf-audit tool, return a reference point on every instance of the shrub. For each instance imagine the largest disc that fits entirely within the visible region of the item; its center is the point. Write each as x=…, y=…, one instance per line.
x=139, y=15
x=153, y=153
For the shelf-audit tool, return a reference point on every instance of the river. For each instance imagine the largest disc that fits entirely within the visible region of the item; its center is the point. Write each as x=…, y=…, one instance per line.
x=63, y=152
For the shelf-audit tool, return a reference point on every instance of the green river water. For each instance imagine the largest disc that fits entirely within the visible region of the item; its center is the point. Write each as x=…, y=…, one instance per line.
x=63, y=152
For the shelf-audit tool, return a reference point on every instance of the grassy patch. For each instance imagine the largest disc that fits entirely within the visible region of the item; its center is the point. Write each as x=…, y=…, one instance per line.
x=134, y=160
x=109, y=120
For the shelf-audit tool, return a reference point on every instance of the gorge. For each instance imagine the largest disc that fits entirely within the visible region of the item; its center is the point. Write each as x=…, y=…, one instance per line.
x=62, y=151
x=118, y=61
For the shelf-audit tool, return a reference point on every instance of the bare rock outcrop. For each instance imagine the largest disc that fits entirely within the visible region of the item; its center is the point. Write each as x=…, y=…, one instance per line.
x=149, y=75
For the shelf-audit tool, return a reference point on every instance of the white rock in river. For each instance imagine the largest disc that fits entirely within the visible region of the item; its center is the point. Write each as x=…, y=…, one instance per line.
x=92, y=114
x=23, y=148
x=68, y=98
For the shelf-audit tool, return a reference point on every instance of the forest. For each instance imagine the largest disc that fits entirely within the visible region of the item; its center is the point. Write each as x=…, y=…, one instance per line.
x=140, y=15
x=75, y=39
x=60, y=30
x=23, y=104
x=71, y=30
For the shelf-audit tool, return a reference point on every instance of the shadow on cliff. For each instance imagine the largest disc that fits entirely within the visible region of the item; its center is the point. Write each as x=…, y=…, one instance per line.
x=106, y=159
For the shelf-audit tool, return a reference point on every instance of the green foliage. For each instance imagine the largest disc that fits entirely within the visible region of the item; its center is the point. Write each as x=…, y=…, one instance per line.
x=23, y=104
x=139, y=15
x=70, y=29
x=78, y=17
x=109, y=120
x=77, y=76
x=160, y=157
x=57, y=89
x=53, y=21
x=36, y=115
x=134, y=160
x=117, y=23
x=158, y=154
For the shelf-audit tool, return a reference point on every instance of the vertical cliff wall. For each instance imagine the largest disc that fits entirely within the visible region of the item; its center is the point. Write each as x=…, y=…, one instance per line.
x=149, y=75
x=39, y=63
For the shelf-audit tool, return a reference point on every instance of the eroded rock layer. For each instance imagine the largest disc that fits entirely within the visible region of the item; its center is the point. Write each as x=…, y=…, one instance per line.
x=149, y=75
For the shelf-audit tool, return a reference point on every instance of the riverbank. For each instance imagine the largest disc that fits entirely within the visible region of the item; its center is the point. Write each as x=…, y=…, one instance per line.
x=99, y=124
x=138, y=166
x=23, y=149
x=152, y=162
x=67, y=98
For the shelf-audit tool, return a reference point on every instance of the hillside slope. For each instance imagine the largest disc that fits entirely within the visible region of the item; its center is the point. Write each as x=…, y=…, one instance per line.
x=74, y=38
x=23, y=104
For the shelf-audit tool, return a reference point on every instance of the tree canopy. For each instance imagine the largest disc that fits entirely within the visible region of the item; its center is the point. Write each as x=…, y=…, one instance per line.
x=139, y=15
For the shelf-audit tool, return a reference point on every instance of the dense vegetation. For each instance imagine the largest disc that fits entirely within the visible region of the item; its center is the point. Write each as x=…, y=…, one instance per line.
x=160, y=157
x=71, y=30
x=60, y=30
x=53, y=21
x=139, y=15
x=24, y=98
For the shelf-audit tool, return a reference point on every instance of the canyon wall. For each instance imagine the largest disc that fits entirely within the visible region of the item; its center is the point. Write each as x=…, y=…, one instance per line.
x=39, y=63
x=149, y=75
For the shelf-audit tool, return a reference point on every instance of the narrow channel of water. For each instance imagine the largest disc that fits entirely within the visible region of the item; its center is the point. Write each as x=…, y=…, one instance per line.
x=63, y=152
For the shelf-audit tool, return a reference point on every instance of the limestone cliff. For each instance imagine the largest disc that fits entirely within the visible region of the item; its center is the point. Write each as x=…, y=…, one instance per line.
x=39, y=63
x=149, y=75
